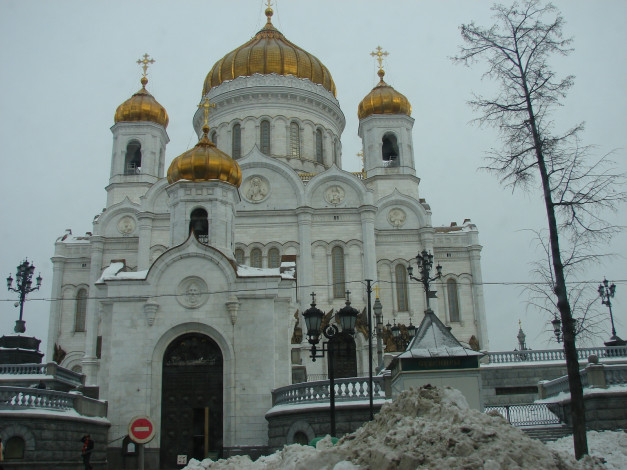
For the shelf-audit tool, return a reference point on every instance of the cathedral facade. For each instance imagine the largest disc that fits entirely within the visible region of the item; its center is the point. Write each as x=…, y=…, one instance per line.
x=185, y=302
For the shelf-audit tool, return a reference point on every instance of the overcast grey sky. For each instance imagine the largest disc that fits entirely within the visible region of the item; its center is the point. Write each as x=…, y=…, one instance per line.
x=66, y=65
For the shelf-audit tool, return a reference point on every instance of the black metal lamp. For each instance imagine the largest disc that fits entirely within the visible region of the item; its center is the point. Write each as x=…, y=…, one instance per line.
x=9, y=282
x=396, y=331
x=557, y=329
x=348, y=316
x=313, y=320
x=411, y=330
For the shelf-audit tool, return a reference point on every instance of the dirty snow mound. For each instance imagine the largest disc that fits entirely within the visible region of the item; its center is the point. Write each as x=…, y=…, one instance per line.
x=421, y=429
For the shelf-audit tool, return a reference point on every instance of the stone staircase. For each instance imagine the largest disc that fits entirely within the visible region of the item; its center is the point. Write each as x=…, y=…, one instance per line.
x=547, y=433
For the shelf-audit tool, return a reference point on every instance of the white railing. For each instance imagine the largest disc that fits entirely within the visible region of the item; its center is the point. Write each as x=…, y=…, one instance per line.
x=51, y=368
x=596, y=376
x=22, y=397
x=346, y=389
x=543, y=355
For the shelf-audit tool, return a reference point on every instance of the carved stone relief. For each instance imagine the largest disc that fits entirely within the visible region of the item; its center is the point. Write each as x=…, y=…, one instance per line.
x=126, y=225
x=192, y=292
x=256, y=188
x=334, y=195
x=397, y=217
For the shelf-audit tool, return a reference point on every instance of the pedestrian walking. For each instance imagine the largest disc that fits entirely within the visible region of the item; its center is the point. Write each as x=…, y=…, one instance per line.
x=88, y=448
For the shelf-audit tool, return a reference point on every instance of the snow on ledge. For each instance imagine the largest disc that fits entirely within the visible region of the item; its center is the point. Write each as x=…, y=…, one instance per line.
x=114, y=272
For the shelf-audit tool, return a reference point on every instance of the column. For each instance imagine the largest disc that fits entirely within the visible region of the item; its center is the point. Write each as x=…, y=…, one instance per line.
x=144, y=220
x=54, y=325
x=90, y=363
x=477, y=295
x=305, y=259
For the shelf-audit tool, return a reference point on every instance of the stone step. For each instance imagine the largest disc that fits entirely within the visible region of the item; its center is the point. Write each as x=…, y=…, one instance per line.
x=547, y=433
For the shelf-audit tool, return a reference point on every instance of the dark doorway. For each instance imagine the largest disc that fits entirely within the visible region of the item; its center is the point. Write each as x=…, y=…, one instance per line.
x=344, y=355
x=191, y=402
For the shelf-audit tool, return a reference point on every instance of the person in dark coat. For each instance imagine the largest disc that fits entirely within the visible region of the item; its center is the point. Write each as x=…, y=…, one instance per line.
x=88, y=448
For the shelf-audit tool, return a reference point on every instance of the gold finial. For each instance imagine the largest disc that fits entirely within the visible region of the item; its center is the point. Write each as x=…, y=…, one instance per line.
x=379, y=54
x=363, y=161
x=206, y=105
x=376, y=290
x=269, y=11
x=144, y=63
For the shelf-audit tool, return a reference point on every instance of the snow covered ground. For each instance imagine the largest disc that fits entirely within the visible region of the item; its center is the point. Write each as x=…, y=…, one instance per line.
x=426, y=428
x=610, y=445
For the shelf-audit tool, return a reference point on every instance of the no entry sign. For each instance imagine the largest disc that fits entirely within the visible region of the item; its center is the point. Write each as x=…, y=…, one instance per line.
x=141, y=429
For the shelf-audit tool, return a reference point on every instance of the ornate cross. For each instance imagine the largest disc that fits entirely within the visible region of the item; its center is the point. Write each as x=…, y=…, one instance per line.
x=379, y=54
x=269, y=3
x=206, y=105
x=313, y=294
x=144, y=63
x=376, y=290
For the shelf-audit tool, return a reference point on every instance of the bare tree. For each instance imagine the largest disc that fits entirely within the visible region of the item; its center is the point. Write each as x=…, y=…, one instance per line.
x=517, y=48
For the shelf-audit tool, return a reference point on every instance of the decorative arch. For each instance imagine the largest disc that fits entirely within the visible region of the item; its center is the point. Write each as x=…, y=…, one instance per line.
x=133, y=157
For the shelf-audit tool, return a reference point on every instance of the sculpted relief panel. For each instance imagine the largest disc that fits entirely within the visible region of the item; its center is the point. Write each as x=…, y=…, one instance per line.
x=192, y=292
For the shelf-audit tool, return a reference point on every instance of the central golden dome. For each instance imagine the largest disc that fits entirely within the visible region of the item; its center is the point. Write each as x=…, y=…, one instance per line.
x=205, y=162
x=269, y=52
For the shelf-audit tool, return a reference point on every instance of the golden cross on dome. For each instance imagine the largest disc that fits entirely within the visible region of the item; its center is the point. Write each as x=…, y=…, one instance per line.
x=269, y=3
x=206, y=105
x=376, y=290
x=379, y=54
x=144, y=63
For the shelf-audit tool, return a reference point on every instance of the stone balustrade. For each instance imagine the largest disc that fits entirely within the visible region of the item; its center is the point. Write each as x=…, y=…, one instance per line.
x=543, y=355
x=593, y=376
x=25, y=397
x=346, y=389
x=51, y=368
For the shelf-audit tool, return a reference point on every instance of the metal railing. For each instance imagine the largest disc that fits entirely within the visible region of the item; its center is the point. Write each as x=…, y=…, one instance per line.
x=531, y=414
x=543, y=355
x=346, y=389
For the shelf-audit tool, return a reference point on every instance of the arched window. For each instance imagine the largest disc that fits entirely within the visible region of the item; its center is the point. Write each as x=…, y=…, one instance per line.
x=81, y=310
x=133, y=160
x=274, y=258
x=255, y=258
x=389, y=150
x=401, y=288
x=214, y=138
x=337, y=267
x=319, y=154
x=14, y=448
x=294, y=140
x=264, y=136
x=199, y=224
x=239, y=256
x=300, y=438
x=236, y=141
x=453, y=301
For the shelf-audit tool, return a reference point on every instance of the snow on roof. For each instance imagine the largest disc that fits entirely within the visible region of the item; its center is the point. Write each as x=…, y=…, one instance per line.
x=286, y=271
x=114, y=272
x=67, y=237
x=433, y=339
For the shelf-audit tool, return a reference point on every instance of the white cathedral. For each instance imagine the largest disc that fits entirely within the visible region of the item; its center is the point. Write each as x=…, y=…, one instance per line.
x=185, y=302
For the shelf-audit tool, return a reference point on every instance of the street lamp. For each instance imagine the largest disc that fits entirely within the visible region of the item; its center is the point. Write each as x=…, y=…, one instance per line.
x=313, y=321
x=557, y=328
x=424, y=260
x=378, y=314
x=606, y=292
x=24, y=281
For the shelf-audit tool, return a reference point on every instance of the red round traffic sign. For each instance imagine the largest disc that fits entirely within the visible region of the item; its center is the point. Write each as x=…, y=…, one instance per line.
x=141, y=429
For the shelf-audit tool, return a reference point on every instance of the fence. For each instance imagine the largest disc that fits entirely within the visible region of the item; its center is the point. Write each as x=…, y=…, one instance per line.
x=346, y=389
x=543, y=355
x=531, y=414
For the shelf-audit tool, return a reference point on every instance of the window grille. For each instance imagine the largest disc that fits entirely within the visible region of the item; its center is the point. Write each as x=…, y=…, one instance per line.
x=337, y=266
x=319, y=155
x=237, y=141
x=294, y=140
x=255, y=258
x=401, y=288
x=274, y=258
x=81, y=309
x=239, y=256
x=265, y=137
x=453, y=301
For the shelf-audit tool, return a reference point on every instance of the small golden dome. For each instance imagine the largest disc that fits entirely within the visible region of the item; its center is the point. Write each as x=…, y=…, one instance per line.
x=383, y=99
x=142, y=106
x=269, y=52
x=205, y=162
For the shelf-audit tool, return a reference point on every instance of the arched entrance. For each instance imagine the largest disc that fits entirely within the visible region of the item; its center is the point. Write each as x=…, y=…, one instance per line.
x=191, y=401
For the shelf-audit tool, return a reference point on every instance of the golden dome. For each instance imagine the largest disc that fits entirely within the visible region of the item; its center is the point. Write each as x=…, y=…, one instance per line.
x=205, y=162
x=383, y=99
x=142, y=106
x=269, y=52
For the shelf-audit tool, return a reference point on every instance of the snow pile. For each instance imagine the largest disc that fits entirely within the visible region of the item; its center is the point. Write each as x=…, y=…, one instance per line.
x=610, y=445
x=422, y=429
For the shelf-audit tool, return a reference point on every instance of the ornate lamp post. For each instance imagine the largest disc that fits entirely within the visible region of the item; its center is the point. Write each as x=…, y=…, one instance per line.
x=24, y=281
x=313, y=321
x=425, y=263
x=557, y=328
x=378, y=315
x=606, y=292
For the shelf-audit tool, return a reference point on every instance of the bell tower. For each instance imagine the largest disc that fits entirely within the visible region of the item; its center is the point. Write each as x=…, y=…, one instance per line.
x=139, y=141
